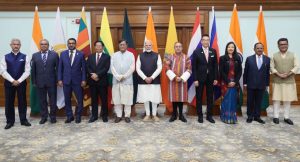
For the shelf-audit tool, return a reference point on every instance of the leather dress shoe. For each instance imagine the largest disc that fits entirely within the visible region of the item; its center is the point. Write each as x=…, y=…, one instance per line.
x=53, y=120
x=289, y=121
x=259, y=120
x=182, y=118
x=78, y=120
x=43, y=121
x=105, y=119
x=118, y=119
x=8, y=125
x=173, y=118
x=26, y=123
x=69, y=120
x=249, y=120
x=92, y=119
x=210, y=119
x=200, y=120
x=276, y=120
x=127, y=119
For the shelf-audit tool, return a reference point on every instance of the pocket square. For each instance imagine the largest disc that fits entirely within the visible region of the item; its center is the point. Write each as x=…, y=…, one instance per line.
x=21, y=60
x=212, y=56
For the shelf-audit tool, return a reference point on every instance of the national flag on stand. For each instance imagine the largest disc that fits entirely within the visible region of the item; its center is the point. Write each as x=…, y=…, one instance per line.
x=169, y=50
x=235, y=36
x=105, y=37
x=127, y=35
x=37, y=36
x=59, y=45
x=214, y=44
x=194, y=44
x=83, y=44
x=262, y=38
x=150, y=32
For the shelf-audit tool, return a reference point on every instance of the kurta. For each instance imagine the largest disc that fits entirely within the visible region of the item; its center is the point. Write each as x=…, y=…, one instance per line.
x=122, y=66
x=178, y=66
x=149, y=92
x=284, y=91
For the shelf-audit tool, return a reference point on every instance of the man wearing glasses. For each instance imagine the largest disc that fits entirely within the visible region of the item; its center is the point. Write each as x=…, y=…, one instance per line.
x=284, y=66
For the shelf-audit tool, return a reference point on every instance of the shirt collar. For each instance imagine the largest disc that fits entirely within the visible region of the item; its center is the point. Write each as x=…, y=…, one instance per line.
x=15, y=53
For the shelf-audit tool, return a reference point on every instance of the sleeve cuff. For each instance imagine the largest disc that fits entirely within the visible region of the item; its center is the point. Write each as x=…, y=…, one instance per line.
x=170, y=75
x=185, y=76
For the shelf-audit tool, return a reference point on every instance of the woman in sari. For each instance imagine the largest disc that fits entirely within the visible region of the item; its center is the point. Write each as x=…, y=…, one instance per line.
x=230, y=73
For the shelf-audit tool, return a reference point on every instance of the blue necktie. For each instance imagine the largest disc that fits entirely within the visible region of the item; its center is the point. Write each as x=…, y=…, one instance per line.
x=259, y=62
x=44, y=59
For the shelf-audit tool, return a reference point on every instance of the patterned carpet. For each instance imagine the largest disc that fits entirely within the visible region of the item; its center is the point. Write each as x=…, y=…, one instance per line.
x=161, y=141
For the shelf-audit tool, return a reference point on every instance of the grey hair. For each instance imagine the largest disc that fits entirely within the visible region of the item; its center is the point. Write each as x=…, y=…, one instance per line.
x=15, y=39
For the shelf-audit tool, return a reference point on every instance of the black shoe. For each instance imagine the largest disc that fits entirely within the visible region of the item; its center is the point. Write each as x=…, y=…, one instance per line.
x=78, y=120
x=8, y=125
x=118, y=119
x=127, y=119
x=276, y=120
x=26, y=123
x=43, y=121
x=210, y=119
x=53, y=120
x=69, y=120
x=249, y=120
x=259, y=120
x=92, y=119
x=289, y=121
x=200, y=119
x=182, y=118
x=105, y=119
x=173, y=118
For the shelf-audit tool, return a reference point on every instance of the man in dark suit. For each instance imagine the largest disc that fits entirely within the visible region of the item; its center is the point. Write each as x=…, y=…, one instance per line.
x=44, y=66
x=205, y=72
x=15, y=68
x=72, y=76
x=256, y=79
x=97, y=67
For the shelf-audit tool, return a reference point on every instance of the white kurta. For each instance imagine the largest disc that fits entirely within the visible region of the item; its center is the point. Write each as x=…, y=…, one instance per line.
x=122, y=66
x=149, y=92
x=284, y=91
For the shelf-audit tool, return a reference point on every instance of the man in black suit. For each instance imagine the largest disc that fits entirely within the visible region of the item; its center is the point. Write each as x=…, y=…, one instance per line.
x=256, y=79
x=44, y=76
x=205, y=71
x=97, y=67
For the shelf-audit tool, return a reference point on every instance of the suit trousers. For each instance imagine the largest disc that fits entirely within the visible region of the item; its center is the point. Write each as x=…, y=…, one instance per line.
x=209, y=98
x=97, y=91
x=78, y=91
x=42, y=93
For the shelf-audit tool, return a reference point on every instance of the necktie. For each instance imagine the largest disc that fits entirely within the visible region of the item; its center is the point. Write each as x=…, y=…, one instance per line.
x=71, y=56
x=259, y=62
x=206, y=54
x=44, y=58
x=98, y=58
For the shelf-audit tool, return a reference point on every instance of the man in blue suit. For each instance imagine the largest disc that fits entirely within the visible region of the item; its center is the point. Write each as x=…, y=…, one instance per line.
x=256, y=80
x=72, y=76
x=44, y=66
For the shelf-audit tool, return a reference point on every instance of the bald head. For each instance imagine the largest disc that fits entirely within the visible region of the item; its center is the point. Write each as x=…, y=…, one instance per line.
x=148, y=45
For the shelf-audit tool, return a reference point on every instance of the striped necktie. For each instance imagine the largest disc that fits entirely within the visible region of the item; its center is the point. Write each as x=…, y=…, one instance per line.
x=44, y=58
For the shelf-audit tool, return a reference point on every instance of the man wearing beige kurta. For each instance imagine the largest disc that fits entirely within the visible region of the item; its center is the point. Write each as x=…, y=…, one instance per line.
x=284, y=66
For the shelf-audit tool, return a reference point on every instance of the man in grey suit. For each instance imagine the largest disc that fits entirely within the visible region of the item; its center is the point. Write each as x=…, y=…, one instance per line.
x=44, y=77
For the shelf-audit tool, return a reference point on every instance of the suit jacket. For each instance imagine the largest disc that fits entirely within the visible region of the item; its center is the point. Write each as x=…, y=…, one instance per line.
x=201, y=69
x=256, y=78
x=44, y=75
x=224, y=68
x=100, y=69
x=71, y=74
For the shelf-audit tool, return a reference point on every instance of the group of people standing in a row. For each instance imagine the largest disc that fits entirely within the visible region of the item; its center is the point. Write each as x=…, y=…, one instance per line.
x=72, y=72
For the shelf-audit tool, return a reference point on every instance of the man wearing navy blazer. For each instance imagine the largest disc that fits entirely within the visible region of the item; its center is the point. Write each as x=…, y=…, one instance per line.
x=44, y=65
x=72, y=76
x=97, y=67
x=205, y=72
x=256, y=79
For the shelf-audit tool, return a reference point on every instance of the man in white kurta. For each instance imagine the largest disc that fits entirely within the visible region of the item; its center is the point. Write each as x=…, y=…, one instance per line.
x=148, y=67
x=284, y=66
x=122, y=67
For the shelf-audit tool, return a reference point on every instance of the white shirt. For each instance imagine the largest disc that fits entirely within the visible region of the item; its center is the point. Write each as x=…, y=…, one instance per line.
x=97, y=55
x=259, y=57
x=8, y=77
x=74, y=53
x=42, y=54
x=156, y=72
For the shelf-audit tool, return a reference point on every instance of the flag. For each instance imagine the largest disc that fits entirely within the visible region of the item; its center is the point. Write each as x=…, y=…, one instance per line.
x=214, y=45
x=194, y=44
x=59, y=45
x=37, y=36
x=262, y=38
x=105, y=37
x=83, y=44
x=235, y=36
x=127, y=35
x=150, y=32
x=169, y=50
